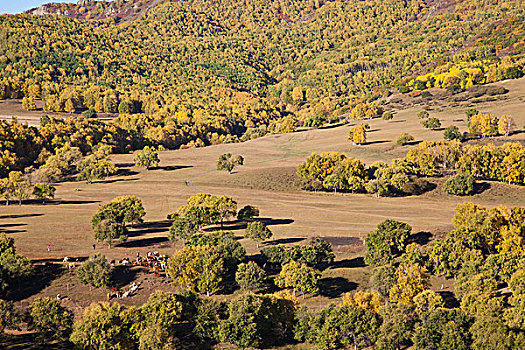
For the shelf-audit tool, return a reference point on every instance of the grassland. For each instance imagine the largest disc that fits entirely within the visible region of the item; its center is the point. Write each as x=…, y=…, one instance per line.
x=267, y=181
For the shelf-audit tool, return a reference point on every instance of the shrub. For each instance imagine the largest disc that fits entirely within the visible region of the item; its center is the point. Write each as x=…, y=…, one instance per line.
x=431, y=123
x=452, y=133
x=89, y=113
x=404, y=138
x=423, y=115
x=461, y=184
x=387, y=116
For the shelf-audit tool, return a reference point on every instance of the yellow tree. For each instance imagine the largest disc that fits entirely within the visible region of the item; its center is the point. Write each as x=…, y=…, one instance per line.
x=357, y=135
x=411, y=280
x=28, y=103
x=506, y=125
x=197, y=268
x=484, y=123
x=363, y=300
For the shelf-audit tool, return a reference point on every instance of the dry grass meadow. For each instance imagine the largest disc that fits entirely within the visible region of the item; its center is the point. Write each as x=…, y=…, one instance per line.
x=266, y=181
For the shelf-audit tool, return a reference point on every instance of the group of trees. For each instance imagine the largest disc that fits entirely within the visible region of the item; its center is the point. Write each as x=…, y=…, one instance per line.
x=488, y=124
x=210, y=256
x=501, y=163
x=484, y=252
x=336, y=171
x=463, y=75
x=17, y=186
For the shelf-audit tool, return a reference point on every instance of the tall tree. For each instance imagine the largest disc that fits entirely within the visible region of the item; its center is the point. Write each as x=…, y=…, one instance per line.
x=197, y=268
x=258, y=232
x=148, y=157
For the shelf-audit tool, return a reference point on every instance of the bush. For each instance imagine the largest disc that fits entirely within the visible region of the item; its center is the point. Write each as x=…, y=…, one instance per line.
x=461, y=184
x=423, y=115
x=89, y=113
x=431, y=123
x=452, y=133
x=403, y=89
x=404, y=138
x=426, y=94
x=95, y=271
x=387, y=116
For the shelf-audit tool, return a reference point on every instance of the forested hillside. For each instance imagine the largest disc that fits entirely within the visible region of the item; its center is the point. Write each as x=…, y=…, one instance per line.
x=316, y=57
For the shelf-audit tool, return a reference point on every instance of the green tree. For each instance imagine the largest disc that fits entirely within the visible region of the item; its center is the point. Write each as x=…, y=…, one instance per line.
x=388, y=240
x=148, y=157
x=102, y=327
x=109, y=223
x=95, y=167
x=49, y=318
x=227, y=245
x=257, y=320
x=13, y=266
x=155, y=323
x=428, y=301
x=452, y=133
x=95, y=271
x=89, y=113
x=387, y=116
x=431, y=123
x=250, y=276
x=398, y=325
x=228, y=162
x=182, y=228
x=382, y=279
x=108, y=230
x=43, y=191
x=299, y=277
x=461, y=184
x=247, y=213
x=205, y=209
x=9, y=317
x=422, y=115
x=258, y=232
x=197, y=268
x=404, y=139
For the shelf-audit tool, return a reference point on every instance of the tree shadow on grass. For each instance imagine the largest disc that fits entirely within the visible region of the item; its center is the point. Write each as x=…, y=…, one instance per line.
x=348, y=263
x=144, y=242
x=18, y=216
x=481, y=187
x=126, y=172
x=122, y=276
x=111, y=181
x=31, y=341
x=334, y=287
x=41, y=278
x=171, y=167
x=284, y=241
x=150, y=227
x=240, y=225
x=375, y=142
